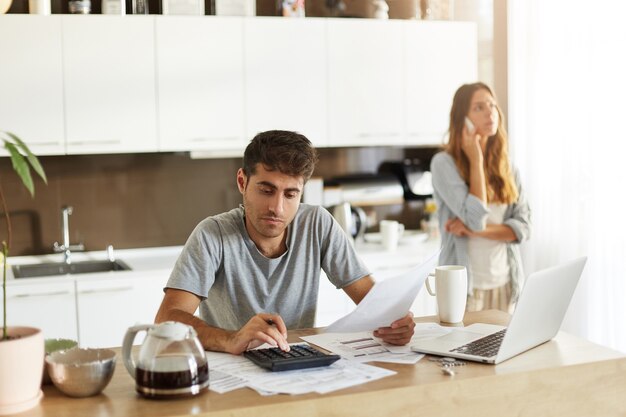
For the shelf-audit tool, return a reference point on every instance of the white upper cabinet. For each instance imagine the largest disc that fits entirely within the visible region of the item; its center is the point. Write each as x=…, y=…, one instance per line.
x=440, y=57
x=365, y=82
x=110, y=100
x=31, y=81
x=285, y=73
x=122, y=84
x=200, y=82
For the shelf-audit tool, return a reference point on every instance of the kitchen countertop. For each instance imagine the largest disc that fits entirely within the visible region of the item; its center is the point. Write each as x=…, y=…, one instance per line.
x=140, y=260
x=409, y=253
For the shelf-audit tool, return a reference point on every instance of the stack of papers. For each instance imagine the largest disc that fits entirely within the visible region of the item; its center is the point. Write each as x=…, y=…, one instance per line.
x=229, y=372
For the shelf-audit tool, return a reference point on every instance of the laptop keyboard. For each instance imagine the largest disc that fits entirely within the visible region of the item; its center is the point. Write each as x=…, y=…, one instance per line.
x=486, y=346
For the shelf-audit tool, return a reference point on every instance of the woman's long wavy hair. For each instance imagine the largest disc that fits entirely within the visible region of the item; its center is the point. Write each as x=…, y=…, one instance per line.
x=501, y=186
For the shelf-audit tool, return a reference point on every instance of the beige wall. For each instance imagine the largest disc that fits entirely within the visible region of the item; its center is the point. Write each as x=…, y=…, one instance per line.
x=143, y=200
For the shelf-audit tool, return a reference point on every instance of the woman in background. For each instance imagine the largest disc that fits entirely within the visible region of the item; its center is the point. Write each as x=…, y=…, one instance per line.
x=483, y=213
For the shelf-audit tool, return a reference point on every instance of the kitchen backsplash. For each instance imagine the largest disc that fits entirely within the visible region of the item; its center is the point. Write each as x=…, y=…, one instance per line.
x=145, y=200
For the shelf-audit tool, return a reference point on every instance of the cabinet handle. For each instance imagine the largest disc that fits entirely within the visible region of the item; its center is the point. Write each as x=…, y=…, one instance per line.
x=378, y=135
x=105, y=290
x=95, y=142
x=46, y=144
x=205, y=139
x=43, y=294
x=393, y=267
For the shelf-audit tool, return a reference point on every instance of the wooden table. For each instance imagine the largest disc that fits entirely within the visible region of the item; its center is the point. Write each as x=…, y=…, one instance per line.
x=567, y=376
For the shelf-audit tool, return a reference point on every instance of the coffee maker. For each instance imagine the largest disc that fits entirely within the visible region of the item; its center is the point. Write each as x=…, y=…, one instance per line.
x=414, y=176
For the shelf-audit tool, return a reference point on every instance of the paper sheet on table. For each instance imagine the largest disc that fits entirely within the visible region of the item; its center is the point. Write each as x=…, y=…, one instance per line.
x=422, y=331
x=361, y=347
x=230, y=372
x=387, y=301
x=364, y=347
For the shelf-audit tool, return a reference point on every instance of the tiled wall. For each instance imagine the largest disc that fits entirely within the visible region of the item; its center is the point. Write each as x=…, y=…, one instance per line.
x=139, y=200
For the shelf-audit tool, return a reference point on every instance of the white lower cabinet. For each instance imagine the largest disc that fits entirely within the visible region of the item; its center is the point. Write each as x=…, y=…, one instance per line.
x=332, y=303
x=49, y=306
x=424, y=304
x=107, y=307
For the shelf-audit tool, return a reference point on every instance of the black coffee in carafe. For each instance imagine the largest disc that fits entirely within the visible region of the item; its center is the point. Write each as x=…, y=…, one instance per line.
x=171, y=360
x=168, y=378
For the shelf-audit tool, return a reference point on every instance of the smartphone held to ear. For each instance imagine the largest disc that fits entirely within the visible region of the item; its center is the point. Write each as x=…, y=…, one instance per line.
x=469, y=125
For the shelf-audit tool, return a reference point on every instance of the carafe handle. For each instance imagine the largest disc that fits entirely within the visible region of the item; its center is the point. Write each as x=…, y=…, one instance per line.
x=127, y=346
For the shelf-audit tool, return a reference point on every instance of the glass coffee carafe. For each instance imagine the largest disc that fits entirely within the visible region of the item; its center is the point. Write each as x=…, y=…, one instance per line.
x=171, y=360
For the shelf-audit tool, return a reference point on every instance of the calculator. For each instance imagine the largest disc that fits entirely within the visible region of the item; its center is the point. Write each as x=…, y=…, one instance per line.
x=300, y=356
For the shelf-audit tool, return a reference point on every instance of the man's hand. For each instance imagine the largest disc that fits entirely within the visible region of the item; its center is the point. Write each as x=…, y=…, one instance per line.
x=400, y=331
x=262, y=328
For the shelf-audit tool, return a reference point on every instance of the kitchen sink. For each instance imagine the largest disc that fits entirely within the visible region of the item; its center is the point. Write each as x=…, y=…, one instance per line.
x=61, y=268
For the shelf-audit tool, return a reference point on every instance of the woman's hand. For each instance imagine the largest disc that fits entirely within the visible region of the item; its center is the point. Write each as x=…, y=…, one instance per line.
x=456, y=227
x=470, y=144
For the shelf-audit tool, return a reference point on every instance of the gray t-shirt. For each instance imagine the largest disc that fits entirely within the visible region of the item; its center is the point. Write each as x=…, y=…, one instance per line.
x=222, y=265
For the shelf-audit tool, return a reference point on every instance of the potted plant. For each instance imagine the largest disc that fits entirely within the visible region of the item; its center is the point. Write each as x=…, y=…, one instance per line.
x=21, y=348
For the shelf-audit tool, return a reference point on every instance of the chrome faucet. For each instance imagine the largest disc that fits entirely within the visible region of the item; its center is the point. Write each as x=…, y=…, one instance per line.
x=66, y=247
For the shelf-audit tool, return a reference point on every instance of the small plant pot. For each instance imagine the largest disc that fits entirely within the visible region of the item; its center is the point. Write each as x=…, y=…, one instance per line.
x=21, y=369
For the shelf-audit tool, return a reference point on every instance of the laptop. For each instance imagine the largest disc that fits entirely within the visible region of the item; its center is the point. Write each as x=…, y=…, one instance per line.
x=536, y=320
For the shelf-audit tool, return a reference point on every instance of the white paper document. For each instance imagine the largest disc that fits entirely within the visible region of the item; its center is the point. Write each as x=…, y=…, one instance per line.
x=361, y=347
x=229, y=372
x=364, y=347
x=387, y=301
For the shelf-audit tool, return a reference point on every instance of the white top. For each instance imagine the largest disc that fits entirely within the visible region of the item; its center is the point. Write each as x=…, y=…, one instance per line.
x=488, y=258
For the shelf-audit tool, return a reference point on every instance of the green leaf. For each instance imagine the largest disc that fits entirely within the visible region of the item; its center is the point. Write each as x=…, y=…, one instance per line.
x=34, y=162
x=21, y=167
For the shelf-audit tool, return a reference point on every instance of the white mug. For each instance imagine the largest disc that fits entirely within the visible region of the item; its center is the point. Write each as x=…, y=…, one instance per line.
x=39, y=7
x=451, y=292
x=390, y=232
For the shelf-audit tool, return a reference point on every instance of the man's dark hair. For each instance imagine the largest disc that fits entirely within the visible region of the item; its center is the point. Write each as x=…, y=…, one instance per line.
x=288, y=152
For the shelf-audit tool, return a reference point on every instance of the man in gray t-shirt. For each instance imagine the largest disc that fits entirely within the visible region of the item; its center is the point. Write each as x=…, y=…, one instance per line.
x=254, y=271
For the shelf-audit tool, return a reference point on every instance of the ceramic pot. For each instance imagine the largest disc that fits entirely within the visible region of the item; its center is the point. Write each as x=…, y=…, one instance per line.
x=21, y=370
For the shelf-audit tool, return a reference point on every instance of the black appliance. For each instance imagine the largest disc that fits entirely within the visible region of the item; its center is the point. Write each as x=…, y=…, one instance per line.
x=414, y=176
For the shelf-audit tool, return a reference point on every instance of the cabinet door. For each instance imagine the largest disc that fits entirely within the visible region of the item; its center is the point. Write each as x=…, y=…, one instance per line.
x=109, y=84
x=365, y=77
x=440, y=57
x=285, y=62
x=48, y=306
x=424, y=304
x=332, y=304
x=108, y=307
x=200, y=83
x=31, y=81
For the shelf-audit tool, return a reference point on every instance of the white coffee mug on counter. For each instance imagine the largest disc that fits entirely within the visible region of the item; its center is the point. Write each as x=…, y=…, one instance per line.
x=390, y=233
x=451, y=292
